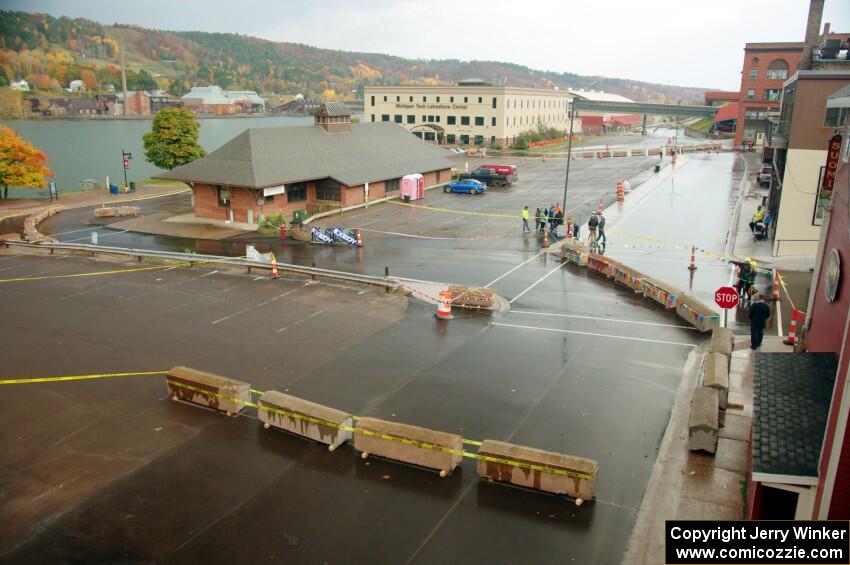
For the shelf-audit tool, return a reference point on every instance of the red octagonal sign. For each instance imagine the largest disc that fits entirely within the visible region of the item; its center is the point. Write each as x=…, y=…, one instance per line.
x=726, y=297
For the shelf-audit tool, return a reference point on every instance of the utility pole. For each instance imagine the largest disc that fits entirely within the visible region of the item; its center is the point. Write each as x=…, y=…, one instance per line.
x=124, y=86
x=569, y=151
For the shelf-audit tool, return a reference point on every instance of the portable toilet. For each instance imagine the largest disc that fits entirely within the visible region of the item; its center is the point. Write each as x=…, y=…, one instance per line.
x=413, y=187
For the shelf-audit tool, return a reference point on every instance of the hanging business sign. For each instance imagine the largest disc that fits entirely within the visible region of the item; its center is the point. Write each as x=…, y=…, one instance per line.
x=833, y=154
x=832, y=275
x=272, y=190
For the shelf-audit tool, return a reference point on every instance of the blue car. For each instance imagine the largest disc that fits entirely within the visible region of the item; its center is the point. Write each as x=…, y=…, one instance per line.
x=468, y=186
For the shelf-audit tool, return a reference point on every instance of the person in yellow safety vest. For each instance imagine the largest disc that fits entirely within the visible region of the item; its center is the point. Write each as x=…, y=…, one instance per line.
x=758, y=216
x=525, y=226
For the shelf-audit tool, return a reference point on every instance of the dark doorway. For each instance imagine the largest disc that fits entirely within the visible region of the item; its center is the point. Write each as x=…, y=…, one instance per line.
x=778, y=504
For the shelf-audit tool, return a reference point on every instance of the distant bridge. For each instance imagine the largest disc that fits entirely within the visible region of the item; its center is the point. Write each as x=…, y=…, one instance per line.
x=644, y=108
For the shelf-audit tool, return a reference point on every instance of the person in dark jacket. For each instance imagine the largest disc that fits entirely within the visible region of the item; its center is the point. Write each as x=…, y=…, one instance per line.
x=759, y=315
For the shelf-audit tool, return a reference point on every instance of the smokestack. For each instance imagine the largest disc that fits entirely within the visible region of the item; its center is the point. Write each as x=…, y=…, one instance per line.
x=812, y=31
x=825, y=29
x=124, y=84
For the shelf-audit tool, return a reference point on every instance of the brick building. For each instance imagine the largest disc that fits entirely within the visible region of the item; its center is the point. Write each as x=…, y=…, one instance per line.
x=828, y=331
x=800, y=439
x=765, y=69
x=330, y=164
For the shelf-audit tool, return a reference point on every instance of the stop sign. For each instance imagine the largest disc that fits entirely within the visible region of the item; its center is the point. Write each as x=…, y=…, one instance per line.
x=726, y=297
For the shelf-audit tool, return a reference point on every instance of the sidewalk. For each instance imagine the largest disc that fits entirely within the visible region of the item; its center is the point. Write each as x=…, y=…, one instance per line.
x=71, y=200
x=741, y=239
x=689, y=485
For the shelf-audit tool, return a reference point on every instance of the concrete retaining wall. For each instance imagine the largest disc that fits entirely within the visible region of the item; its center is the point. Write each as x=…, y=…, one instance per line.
x=570, y=482
x=411, y=444
x=661, y=292
x=31, y=232
x=716, y=376
x=304, y=418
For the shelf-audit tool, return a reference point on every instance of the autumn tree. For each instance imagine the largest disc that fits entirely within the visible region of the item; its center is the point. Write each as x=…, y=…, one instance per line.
x=173, y=139
x=89, y=79
x=21, y=164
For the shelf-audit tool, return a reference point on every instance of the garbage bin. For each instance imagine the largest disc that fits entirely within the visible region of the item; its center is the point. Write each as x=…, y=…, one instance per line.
x=657, y=168
x=113, y=189
x=132, y=186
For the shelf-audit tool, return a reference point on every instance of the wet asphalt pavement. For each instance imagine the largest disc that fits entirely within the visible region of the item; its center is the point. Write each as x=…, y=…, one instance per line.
x=111, y=470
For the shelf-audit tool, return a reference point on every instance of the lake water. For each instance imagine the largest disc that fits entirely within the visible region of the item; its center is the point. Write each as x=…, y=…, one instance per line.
x=80, y=150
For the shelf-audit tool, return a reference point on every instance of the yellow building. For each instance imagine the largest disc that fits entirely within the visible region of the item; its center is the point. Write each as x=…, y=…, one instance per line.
x=471, y=112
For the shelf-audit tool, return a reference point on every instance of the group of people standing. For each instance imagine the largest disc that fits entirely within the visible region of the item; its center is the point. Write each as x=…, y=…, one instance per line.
x=553, y=217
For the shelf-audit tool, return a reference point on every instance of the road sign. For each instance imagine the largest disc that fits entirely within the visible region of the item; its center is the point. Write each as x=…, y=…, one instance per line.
x=726, y=297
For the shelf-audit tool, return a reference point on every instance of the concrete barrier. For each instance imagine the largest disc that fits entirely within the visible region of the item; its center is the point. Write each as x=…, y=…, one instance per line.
x=704, y=423
x=207, y=389
x=602, y=264
x=411, y=444
x=542, y=470
x=698, y=314
x=304, y=418
x=661, y=292
x=472, y=297
x=629, y=277
x=574, y=252
x=716, y=376
x=722, y=341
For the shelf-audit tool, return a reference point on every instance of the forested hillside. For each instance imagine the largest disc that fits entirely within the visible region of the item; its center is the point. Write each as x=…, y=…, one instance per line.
x=50, y=52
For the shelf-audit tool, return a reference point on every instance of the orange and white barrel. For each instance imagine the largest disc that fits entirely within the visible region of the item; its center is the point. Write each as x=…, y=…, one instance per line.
x=444, y=306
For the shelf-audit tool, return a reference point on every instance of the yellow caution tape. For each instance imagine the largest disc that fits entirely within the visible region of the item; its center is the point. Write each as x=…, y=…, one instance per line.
x=451, y=211
x=384, y=436
x=46, y=277
x=77, y=377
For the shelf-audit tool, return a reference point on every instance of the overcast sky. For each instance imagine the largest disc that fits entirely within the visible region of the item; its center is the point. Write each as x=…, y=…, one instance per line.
x=686, y=42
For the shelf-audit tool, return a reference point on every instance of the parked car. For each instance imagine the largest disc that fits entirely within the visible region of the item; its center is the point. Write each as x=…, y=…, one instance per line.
x=765, y=175
x=467, y=186
x=488, y=177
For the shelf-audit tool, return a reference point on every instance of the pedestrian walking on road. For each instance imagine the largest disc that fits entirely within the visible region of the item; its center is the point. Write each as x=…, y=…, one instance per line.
x=525, y=226
x=759, y=315
x=602, y=239
x=537, y=220
x=559, y=218
x=545, y=213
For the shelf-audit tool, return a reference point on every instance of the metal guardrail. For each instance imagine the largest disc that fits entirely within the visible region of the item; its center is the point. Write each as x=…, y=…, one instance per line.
x=193, y=258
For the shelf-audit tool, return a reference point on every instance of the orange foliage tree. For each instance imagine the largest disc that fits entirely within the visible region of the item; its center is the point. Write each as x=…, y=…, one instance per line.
x=21, y=164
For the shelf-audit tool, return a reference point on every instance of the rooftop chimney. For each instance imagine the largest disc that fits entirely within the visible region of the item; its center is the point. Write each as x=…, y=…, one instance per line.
x=826, y=29
x=812, y=31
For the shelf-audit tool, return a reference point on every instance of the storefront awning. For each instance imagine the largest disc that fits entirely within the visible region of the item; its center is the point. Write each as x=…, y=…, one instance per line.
x=792, y=393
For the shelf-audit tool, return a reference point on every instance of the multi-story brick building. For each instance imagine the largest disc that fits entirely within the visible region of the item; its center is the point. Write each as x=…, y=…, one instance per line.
x=765, y=69
x=284, y=170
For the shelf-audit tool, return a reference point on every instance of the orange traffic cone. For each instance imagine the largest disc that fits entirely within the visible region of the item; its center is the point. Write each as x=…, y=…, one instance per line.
x=775, y=296
x=444, y=306
x=792, y=329
x=621, y=195
x=274, y=267
x=693, y=265
x=599, y=207
x=545, y=237
x=359, y=238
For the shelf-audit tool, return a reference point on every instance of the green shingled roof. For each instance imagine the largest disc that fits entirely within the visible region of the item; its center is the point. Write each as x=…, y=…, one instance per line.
x=263, y=157
x=792, y=393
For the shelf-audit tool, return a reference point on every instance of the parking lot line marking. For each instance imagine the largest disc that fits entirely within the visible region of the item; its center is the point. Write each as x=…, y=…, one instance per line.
x=500, y=277
x=83, y=274
x=99, y=234
x=77, y=377
x=74, y=231
x=313, y=315
x=628, y=338
x=208, y=274
x=281, y=295
x=535, y=283
x=601, y=319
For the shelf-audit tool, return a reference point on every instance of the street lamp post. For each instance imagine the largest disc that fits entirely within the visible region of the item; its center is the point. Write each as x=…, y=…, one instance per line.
x=569, y=151
x=125, y=157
